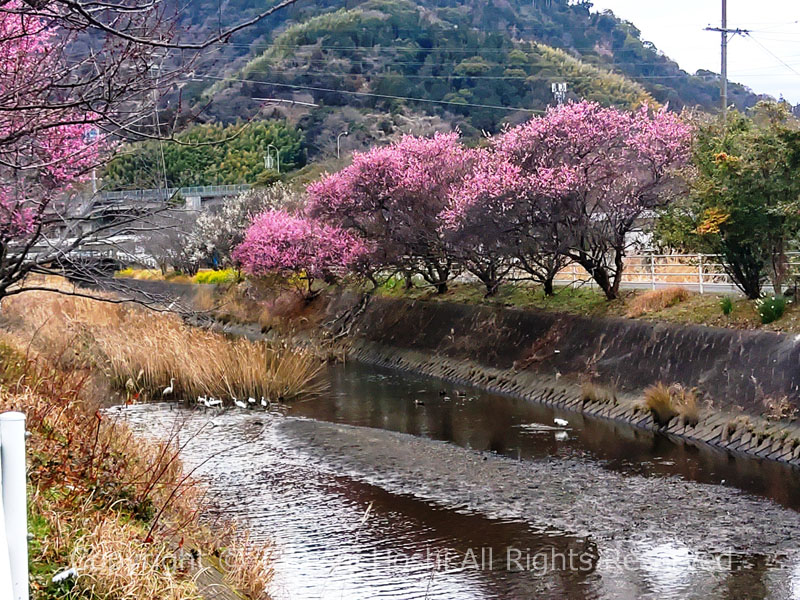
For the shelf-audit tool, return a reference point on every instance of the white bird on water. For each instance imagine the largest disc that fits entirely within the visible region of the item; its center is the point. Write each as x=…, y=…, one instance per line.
x=264, y=401
x=213, y=402
x=239, y=403
x=168, y=390
x=561, y=422
x=251, y=400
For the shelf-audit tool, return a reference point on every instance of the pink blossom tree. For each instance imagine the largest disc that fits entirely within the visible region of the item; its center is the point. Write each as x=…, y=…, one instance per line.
x=393, y=196
x=475, y=221
x=43, y=149
x=599, y=170
x=278, y=243
x=74, y=75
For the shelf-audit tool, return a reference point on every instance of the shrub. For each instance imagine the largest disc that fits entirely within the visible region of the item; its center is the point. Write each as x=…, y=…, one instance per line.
x=667, y=402
x=657, y=399
x=770, y=308
x=657, y=300
x=726, y=304
x=594, y=392
x=216, y=277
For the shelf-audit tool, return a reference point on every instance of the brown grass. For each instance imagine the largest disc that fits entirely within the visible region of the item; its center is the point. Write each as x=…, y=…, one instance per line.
x=119, y=508
x=141, y=350
x=657, y=300
x=594, y=392
x=667, y=402
x=114, y=562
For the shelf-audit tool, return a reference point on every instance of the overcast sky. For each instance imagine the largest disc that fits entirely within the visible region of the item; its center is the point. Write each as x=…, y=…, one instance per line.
x=676, y=28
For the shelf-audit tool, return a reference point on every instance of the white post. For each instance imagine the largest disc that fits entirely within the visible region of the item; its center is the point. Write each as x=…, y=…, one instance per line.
x=653, y=270
x=15, y=493
x=700, y=273
x=6, y=587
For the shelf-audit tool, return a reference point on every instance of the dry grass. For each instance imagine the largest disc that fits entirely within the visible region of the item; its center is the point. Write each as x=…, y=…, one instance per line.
x=667, y=402
x=594, y=392
x=657, y=300
x=118, y=508
x=142, y=351
x=114, y=562
x=778, y=409
x=248, y=567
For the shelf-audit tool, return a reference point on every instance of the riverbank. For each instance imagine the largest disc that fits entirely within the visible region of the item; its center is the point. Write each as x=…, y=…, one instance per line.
x=746, y=380
x=118, y=513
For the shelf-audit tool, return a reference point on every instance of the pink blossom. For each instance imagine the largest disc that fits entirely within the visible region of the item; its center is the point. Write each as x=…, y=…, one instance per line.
x=277, y=242
x=49, y=147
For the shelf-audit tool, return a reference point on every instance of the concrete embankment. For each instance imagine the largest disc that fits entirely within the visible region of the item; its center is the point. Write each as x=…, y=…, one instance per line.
x=545, y=356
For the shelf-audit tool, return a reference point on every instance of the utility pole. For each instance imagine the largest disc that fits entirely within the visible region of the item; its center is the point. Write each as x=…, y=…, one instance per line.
x=724, y=31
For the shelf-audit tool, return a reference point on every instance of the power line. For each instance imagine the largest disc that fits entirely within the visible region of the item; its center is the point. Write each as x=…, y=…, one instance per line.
x=600, y=74
x=374, y=95
x=775, y=56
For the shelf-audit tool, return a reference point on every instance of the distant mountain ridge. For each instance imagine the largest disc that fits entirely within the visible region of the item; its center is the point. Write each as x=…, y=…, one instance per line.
x=476, y=64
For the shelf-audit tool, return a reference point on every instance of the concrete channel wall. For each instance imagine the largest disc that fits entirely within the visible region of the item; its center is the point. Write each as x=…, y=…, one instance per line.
x=732, y=367
x=546, y=356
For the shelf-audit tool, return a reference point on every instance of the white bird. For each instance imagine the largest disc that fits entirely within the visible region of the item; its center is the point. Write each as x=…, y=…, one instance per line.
x=264, y=401
x=240, y=404
x=168, y=390
x=202, y=400
x=561, y=422
x=251, y=400
x=213, y=402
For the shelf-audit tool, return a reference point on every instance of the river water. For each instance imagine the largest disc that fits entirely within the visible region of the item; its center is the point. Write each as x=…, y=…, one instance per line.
x=393, y=485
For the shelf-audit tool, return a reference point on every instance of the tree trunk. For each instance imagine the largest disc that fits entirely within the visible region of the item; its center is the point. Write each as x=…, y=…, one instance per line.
x=548, y=286
x=441, y=287
x=777, y=274
x=601, y=278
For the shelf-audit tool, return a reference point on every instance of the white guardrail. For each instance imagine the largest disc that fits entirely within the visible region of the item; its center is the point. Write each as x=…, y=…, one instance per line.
x=13, y=508
x=699, y=272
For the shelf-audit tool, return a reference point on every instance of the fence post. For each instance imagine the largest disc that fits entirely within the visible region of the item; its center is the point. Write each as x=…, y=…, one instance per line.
x=653, y=270
x=14, y=495
x=700, y=273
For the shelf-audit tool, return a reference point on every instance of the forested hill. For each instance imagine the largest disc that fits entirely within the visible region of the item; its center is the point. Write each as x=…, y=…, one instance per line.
x=464, y=61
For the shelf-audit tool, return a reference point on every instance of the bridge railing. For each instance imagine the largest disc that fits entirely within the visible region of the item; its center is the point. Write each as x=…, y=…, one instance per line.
x=13, y=508
x=167, y=193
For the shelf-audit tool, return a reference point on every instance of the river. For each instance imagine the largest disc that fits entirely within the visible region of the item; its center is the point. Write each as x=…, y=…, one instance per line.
x=393, y=485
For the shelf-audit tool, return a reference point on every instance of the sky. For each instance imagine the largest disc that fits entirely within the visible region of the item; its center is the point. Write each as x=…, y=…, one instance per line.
x=676, y=28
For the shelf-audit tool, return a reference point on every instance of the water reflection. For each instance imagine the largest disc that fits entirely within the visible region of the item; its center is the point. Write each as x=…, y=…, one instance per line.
x=337, y=537
x=376, y=397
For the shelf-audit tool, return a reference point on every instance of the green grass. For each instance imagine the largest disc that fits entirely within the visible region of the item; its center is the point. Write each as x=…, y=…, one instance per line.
x=698, y=309
x=582, y=300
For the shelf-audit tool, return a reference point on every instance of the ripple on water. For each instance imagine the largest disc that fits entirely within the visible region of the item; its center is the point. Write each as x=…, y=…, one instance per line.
x=341, y=534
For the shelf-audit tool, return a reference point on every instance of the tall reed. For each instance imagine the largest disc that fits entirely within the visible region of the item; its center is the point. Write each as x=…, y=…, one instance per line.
x=142, y=351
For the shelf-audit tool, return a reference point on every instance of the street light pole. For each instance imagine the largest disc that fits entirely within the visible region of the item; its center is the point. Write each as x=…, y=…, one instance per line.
x=338, y=144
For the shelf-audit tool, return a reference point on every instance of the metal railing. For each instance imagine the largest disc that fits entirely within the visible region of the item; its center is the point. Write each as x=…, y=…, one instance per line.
x=700, y=272
x=167, y=193
x=13, y=508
